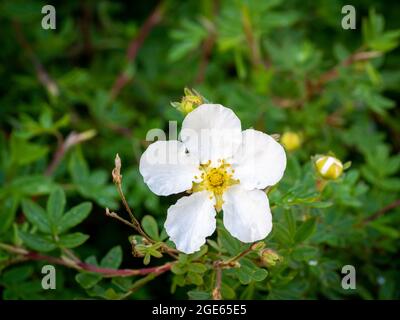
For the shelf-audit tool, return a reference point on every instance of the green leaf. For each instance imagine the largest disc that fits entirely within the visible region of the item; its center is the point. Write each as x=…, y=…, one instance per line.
x=36, y=215
x=73, y=240
x=18, y=274
x=305, y=253
x=74, y=216
x=55, y=205
x=24, y=152
x=87, y=280
x=8, y=209
x=150, y=226
x=195, y=278
x=197, y=267
x=305, y=230
x=112, y=259
x=249, y=272
x=198, y=295
x=31, y=185
x=37, y=242
x=228, y=242
x=78, y=168
x=179, y=268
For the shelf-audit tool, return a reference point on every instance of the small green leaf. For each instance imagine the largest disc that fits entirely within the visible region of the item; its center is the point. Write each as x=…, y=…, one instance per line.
x=146, y=259
x=8, y=209
x=305, y=230
x=73, y=240
x=112, y=259
x=197, y=267
x=55, y=205
x=305, y=253
x=36, y=215
x=248, y=272
x=195, y=278
x=199, y=295
x=36, y=242
x=150, y=227
x=87, y=280
x=74, y=216
x=178, y=268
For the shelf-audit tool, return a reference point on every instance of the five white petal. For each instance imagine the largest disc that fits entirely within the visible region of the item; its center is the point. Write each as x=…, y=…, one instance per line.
x=212, y=132
x=190, y=221
x=167, y=168
x=247, y=215
x=260, y=161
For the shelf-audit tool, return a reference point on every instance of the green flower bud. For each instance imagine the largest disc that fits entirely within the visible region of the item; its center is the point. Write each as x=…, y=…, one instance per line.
x=329, y=167
x=269, y=257
x=189, y=102
x=291, y=140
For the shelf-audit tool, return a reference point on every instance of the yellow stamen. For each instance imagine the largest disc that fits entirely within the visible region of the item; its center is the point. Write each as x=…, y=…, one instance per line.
x=216, y=180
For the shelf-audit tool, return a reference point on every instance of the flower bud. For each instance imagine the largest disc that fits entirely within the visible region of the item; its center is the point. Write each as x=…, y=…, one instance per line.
x=329, y=167
x=257, y=246
x=291, y=140
x=269, y=257
x=189, y=101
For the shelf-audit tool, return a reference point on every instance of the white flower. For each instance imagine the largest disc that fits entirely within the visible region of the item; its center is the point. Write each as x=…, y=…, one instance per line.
x=222, y=168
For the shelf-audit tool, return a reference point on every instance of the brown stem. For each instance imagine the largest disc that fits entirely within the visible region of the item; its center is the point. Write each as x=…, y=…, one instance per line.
x=216, y=293
x=314, y=88
x=205, y=58
x=382, y=211
x=233, y=262
x=82, y=266
x=252, y=42
x=41, y=73
x=153, y=19
x=117, y=178
x=64, y=145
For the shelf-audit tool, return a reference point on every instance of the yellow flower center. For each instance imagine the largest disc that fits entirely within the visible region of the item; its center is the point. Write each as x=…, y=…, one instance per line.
x=215, y=180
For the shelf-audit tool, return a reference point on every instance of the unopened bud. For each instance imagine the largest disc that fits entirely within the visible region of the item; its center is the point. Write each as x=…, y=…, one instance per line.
x=189, y=101
x=257, y=246
x=291, y=140
x=269, y=257
x=329, y=167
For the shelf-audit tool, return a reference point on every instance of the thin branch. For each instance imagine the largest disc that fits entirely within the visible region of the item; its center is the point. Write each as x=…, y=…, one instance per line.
x=233, y=262
x=255, y=53
x=43, y=76
x=117, y=178
x=140, y=283
x=216, y=293
x=82, y=266
x=382, y=211
x=314, y=88
x=153, y=19
x=116, y=216
x=64, y=145
x=357, y=56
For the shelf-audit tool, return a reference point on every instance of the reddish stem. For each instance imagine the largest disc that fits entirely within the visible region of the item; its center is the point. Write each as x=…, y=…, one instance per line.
x=134, y=46
x=92, y=268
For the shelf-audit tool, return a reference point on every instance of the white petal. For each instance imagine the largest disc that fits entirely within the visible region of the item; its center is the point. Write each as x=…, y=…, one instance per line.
x=211, y=131
x=167, y=168
x=260, y=160
x=247, y=215
x=190, y=221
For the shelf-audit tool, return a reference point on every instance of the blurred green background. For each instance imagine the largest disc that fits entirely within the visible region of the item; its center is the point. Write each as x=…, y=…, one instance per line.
x=110, y=70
